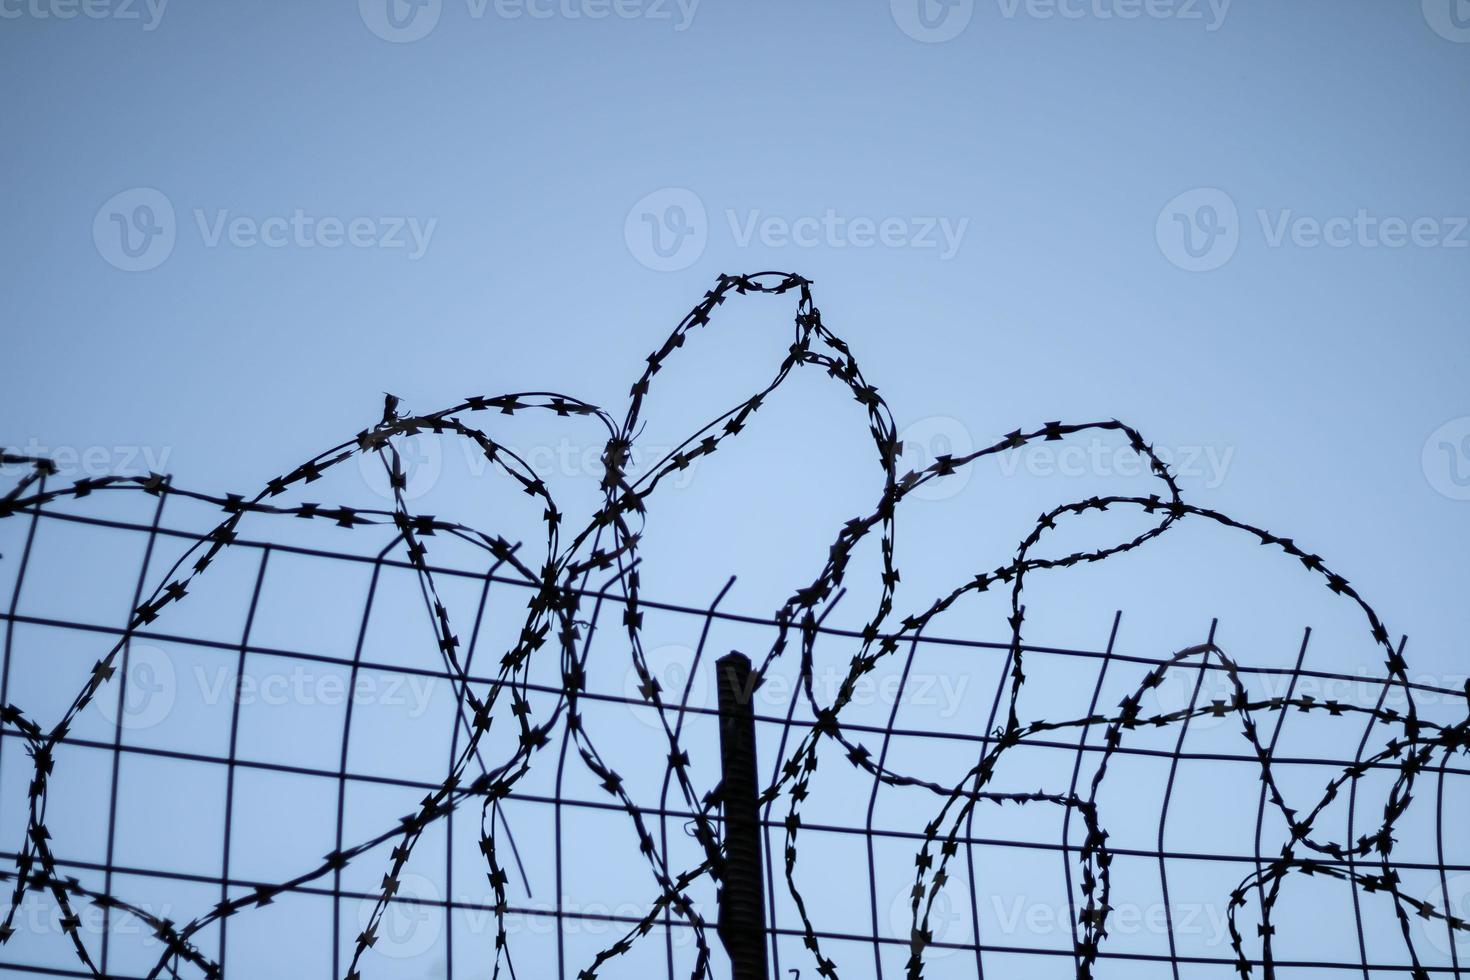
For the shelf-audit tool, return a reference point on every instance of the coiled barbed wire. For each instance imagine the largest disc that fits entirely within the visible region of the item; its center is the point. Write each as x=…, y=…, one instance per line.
x=610, y=542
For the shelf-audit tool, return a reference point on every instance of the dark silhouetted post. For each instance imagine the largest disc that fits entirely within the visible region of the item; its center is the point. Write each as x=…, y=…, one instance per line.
x=742, y=896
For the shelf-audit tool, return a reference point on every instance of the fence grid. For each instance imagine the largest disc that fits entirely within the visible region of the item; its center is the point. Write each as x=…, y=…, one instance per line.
x=918, y=804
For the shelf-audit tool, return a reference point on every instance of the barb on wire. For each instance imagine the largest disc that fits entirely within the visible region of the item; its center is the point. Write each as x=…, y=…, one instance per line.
x=557, y=581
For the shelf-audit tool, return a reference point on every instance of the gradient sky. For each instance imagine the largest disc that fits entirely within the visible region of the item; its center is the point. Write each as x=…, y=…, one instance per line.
x=1240, y=227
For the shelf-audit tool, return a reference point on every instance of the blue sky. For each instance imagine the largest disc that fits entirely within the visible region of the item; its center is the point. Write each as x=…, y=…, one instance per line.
x=1239, y=227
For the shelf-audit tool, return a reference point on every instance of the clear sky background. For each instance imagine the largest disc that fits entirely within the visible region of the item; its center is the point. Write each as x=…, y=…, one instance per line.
x=1239, y=227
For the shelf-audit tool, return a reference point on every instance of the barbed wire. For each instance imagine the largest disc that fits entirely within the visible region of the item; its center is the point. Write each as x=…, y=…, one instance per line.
x=557, y=581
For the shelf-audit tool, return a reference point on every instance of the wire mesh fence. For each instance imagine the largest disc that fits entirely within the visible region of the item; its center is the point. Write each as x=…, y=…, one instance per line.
x=421, y=750
x=204, y=753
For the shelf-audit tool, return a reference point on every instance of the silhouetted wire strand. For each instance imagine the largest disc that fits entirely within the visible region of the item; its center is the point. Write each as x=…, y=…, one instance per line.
x=556, y=587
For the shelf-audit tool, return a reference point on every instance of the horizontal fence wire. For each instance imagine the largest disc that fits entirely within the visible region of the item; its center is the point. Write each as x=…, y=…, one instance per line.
x=895, y=868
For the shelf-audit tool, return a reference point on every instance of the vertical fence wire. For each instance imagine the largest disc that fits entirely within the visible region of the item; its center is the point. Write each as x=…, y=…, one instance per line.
x=779, y=733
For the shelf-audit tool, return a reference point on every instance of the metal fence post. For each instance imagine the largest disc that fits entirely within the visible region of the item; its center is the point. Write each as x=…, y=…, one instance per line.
x=742, y=923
